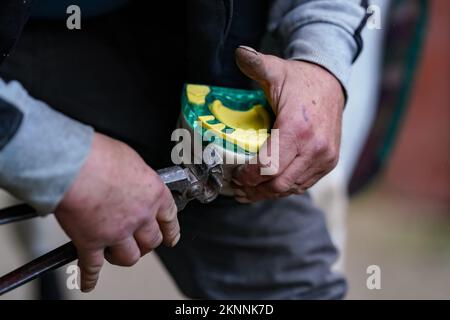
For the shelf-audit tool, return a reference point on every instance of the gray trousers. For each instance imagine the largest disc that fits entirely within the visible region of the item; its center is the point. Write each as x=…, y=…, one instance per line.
x=126, y=82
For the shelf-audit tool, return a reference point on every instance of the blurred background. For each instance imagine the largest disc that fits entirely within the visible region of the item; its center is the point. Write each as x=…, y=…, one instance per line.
x=397, y=174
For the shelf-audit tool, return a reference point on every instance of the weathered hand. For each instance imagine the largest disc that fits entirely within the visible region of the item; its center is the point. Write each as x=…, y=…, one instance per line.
x=118, y=208
x=308, y=103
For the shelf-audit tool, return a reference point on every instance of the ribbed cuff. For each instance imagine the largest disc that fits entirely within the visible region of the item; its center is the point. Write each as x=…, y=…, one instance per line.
x=323, y=32
x=316, y=43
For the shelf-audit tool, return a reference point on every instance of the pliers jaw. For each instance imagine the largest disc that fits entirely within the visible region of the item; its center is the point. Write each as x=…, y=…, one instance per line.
x=202, y=182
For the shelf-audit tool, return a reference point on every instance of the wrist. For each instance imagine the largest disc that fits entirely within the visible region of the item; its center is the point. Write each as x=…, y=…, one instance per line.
x=319, y=79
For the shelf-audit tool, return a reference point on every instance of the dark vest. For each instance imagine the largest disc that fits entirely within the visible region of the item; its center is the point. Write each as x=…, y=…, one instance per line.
x=215, y=29
x=13, y=15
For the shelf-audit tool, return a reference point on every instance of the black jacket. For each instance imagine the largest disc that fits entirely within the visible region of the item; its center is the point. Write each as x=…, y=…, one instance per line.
x=13, y=16
x=214, y=64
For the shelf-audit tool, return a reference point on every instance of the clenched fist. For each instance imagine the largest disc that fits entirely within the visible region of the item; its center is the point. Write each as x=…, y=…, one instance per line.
x=118, y=208
x=308, y=103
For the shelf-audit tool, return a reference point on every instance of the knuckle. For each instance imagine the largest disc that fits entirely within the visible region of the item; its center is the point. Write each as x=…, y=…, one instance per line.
x=170, y=214
x=157, y=188
x=121, y=232
x=160, y=190
x=111, y=233
x=321, y=145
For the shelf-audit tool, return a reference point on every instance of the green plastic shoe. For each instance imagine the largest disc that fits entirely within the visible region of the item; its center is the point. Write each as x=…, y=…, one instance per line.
x=237, y=120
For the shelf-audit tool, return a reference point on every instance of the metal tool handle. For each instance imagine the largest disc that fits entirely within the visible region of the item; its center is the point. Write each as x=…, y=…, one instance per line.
x=17, y=213
x=34, y=269
x=55, y=258
x=183, y=184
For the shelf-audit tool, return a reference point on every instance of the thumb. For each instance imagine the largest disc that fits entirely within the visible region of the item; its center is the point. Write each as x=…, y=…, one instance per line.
x=257, y=66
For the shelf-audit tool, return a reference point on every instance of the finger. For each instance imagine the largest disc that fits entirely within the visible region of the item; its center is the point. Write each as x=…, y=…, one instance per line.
x=281, y=186
x=285, y=183
x=148, y=237
x=268, y=71
x=168, y=221
x=257, y=66
x=90, y=263
x=125, y=253
x=311, y=180
x=274, y=156
x=292, y=177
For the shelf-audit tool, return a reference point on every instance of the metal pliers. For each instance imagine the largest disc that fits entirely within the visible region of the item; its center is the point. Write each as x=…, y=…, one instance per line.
x=195, y=181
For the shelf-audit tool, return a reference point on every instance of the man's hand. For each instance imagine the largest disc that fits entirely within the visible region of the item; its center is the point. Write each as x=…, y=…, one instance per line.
x=308, y=103
x=118, y=208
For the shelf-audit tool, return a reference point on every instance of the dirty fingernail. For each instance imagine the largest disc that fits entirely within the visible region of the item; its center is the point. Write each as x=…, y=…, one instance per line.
x=250, y=49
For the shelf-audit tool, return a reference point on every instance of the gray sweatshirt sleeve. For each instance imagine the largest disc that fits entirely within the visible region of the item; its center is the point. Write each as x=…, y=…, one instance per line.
x=43, y=157
x=325, y=32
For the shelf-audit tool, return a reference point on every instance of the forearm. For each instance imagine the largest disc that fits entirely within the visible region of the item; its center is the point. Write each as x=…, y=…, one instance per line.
x=324, y=32
x=42, y=152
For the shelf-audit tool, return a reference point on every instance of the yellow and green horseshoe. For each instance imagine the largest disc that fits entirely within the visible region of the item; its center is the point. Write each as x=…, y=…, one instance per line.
x=239, y=120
